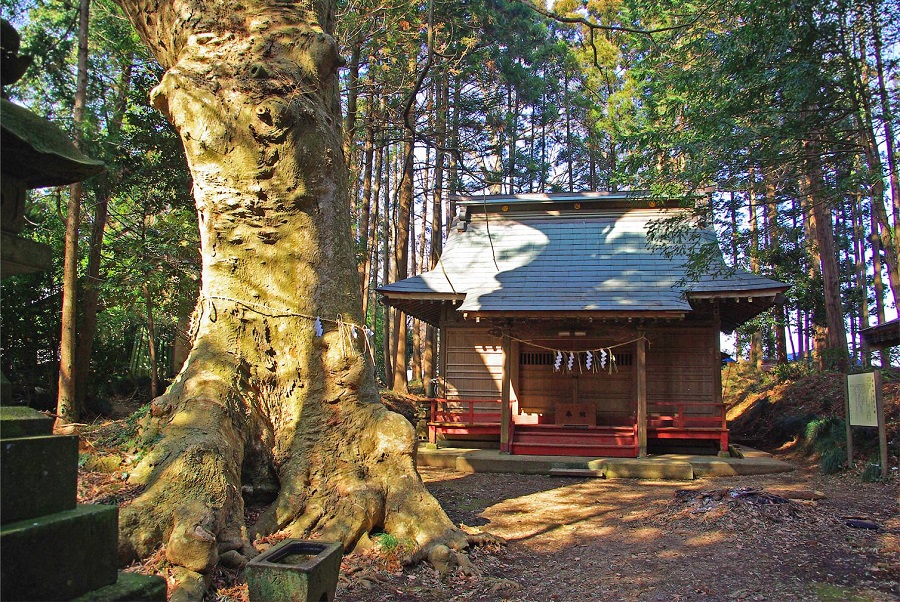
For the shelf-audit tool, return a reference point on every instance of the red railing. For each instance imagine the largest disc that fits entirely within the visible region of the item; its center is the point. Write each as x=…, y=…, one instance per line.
x=662, y=414
x=464, y=417
x=465, y=412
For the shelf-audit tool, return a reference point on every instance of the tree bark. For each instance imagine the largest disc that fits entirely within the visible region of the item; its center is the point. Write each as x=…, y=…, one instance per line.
x=822, y=226
x=756, y=351
x=401, y=255
x=91, y=294
x=365, y=214
x=388, y=232
x=776, y=234
x=277, y=392
x=887, y=118
x=442, y=90
x=68, y=409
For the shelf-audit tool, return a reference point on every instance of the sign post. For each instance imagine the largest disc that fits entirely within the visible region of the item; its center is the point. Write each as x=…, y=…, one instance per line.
x=865, y=407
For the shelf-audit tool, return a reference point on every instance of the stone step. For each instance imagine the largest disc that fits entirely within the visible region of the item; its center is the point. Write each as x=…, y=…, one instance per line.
x=38, y=476
x=648, y=468
x=59, y=556
x=22, y=421
x=577, y=472
x=130, y=587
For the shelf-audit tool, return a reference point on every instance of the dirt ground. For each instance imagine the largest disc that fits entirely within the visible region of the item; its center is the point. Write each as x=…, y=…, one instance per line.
x=594, y=539
x=609, y=540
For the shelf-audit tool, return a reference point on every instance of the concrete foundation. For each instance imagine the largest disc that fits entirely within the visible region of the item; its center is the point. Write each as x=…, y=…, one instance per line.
x=678, y=467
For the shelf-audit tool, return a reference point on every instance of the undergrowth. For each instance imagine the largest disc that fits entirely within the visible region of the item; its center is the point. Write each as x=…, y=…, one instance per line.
x=793, y=407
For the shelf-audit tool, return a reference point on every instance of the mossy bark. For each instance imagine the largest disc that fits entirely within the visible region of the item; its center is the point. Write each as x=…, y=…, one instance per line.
x=263, y=402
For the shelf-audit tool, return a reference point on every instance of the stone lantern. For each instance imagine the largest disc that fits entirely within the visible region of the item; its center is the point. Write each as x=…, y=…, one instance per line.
x=34, y=153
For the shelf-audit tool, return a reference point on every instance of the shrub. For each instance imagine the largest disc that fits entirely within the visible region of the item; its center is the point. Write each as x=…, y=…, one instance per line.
x=871, y=473
x=828, y=437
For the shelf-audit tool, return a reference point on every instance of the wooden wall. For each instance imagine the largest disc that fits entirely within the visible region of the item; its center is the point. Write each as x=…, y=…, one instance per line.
x=473, y=364
x=681, y=365
x=541, y=387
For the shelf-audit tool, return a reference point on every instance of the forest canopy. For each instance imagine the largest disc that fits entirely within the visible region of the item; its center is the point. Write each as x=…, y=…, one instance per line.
x=784, y=110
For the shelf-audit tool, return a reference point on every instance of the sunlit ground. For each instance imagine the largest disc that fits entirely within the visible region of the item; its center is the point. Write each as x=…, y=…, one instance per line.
x=576, y=539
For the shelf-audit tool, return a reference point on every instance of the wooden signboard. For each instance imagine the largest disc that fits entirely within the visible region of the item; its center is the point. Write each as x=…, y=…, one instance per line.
x=865, y=407
x=861, y=394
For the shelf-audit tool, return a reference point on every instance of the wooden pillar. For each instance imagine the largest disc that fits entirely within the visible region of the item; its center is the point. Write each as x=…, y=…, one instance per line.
x=640, y=393
x=505, y=405
x=715, y=361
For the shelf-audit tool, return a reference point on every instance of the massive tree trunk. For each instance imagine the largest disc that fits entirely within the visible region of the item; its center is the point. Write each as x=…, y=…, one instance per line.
x=277, y=393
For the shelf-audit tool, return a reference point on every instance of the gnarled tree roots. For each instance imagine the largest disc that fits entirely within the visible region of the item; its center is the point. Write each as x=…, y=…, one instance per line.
x=339, y=480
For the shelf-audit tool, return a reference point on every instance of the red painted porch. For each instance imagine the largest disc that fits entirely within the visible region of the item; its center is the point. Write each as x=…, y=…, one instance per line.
x=666, y=421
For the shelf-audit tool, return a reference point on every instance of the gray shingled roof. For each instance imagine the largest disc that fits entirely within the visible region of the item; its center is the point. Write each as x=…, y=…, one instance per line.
x=597, y=262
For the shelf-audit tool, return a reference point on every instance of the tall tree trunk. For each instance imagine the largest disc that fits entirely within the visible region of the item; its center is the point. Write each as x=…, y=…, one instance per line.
x=373, y=236
x=834, y=355
x=886, y=235
x=735, y=233
x=91, y=294
x=442, y=90
x=415, y=361
x=275, y=392
x=775, y=234
x=365, y=214
x=512, y=102
x=68, y=409
x=859, y=254
x=887, y=117
x=568, y=130
x=388, y=233
x=151, y=343
x=756, y=352
x=453, y=172
x=401, y=251
x=352, y=96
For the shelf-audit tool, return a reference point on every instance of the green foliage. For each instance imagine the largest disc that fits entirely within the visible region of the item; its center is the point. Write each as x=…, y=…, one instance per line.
x=791, y=371
x=387, y=542
x=392, y=548
x=834, y=460
x=828, y=437
x=151, y=238
x=126, y=435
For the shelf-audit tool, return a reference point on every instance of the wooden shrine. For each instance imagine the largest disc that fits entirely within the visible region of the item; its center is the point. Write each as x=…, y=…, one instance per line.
x=564, y=330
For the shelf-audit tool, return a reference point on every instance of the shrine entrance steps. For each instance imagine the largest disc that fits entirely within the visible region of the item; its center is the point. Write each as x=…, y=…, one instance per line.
x=558, y=440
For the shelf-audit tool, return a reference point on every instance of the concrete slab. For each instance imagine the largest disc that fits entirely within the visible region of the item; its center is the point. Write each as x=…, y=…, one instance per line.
x=668, y=466
x=655, y=467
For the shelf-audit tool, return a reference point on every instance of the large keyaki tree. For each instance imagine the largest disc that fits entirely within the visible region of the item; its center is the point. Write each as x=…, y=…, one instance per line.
x=278, y=392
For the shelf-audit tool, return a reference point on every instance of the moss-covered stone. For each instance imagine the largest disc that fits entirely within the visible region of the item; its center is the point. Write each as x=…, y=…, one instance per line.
x=22, y=421
x=130, y=587
x=60, y=556
x=282, y=575
x=38, y=476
